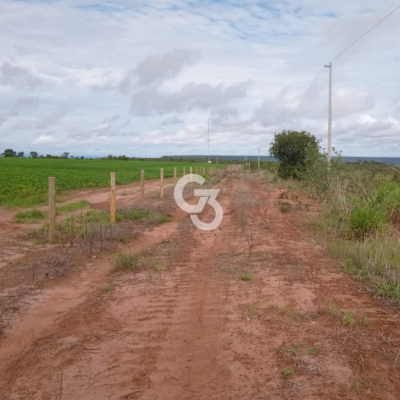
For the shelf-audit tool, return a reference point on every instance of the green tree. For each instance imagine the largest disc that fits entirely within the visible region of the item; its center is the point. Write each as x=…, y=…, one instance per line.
x=33, y=154
x=9, y=153
x=292, y=149
x=21, y=154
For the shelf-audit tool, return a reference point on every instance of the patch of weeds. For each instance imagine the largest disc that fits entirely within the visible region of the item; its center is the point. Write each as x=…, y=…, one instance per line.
x=284, y=207
x=356, y=385
x=293, y=350
x=124, y=194
x=312, y=351
x=125, y=262
x=282, y=309
x=237, y=253
x=76, y=205
x=29, y=217
x=333, y=309
x=348, y=318
x=246, y=277
x=163, y=219
x=364, y=320
x=287, y=371
x=253, y=311
x=146, y=215
x=294, y=314
x=106, y=289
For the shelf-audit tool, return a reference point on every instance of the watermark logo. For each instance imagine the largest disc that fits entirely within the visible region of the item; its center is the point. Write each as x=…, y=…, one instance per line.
x=206, y=195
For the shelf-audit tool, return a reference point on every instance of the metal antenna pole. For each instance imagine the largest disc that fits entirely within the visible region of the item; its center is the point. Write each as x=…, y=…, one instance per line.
x=330, y=117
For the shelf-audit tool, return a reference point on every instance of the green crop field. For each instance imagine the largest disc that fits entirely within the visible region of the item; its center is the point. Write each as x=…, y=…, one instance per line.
x=23, y=181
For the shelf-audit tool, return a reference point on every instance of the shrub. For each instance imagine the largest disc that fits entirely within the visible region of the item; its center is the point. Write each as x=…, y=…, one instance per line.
x=292, y=149
x=365, y=221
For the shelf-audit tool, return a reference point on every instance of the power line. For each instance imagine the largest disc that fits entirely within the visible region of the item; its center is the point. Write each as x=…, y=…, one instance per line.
x=365, y=34
x=308, y=91
x=343, y=51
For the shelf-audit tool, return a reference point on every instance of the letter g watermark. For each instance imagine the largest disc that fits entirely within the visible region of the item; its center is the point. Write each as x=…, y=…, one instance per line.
x=207, y=195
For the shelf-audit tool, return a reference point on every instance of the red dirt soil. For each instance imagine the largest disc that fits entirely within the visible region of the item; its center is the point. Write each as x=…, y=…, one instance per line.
x=251, y=310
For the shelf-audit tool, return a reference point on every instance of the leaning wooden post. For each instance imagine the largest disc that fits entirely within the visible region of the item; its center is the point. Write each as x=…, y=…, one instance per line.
x=142, y=187
x=161, y=183
x=52, y=209
x=174, y=177
x=112, y=201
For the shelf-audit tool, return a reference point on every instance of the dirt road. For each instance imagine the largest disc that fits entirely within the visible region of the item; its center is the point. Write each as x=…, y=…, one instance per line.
x=252, y=310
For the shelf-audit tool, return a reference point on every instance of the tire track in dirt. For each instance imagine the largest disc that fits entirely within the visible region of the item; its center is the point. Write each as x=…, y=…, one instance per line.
x=117, y=337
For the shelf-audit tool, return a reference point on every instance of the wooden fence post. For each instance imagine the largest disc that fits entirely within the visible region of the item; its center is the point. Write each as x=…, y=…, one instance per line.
x=184, y=171
x=174, y=177
x=112, y=201
x=161, y=183
x=142, y=187
x=52, y=209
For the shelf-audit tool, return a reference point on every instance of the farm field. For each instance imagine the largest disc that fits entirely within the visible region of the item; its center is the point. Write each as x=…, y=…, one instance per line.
x=154, y=308
x=24, y=182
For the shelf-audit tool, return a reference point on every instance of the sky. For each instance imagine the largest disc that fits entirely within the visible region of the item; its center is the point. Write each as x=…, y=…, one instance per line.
x=143, y=78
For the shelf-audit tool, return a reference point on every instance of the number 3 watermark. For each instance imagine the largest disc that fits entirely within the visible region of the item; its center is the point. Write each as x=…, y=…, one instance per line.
x=207, y=195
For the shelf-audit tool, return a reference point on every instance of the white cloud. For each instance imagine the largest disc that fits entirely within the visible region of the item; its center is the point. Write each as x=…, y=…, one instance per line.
x=45, y=139
x=14, y=75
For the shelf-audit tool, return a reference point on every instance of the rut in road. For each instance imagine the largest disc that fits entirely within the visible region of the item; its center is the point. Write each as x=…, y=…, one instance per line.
x=252, y=310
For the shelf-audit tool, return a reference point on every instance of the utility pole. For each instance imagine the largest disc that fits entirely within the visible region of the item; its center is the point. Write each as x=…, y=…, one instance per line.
x=330, y=116
x=208, y=140
x=258, y=158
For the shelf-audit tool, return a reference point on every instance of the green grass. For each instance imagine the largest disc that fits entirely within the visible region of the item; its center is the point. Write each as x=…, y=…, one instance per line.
x=29, y=217
x=366, y=221
x=77, y=205
x=348, y=318
x=125, y=262
x=312, y=351
x=246, y=277
x=376, y=261
x=287, y=371
x=106, y=289
x=24, y=182
x=143, y=215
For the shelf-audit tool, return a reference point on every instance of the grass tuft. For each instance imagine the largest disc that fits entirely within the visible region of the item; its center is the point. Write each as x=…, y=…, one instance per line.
x=246, y=277
x=77, y=205
x=284, y=207
x=29, y=217
x=125, y=262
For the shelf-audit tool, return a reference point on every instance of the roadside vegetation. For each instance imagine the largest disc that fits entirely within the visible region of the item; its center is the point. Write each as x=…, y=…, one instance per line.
x=360, y=221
